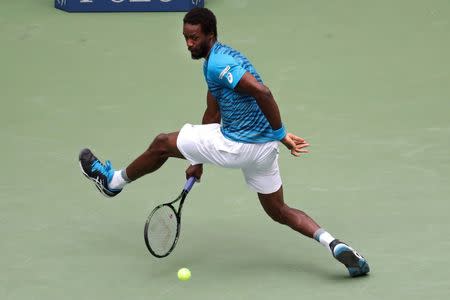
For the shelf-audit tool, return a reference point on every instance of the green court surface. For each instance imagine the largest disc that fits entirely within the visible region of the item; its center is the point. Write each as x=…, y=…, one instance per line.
x=367, y=83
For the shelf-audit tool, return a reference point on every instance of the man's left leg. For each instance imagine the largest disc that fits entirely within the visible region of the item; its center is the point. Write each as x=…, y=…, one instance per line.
x=275, y=207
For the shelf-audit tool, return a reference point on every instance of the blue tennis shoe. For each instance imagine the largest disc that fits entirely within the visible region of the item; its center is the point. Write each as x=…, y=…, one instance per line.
x=356, y=264
x=101, y=174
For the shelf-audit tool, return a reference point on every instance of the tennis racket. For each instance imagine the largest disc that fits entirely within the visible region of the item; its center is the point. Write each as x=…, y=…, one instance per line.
x=162, y=228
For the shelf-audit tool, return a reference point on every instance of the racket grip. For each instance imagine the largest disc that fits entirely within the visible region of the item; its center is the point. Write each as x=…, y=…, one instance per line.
x=189, y=183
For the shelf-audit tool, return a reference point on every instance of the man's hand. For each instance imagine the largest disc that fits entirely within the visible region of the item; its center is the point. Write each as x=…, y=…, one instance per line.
x=295, y=144
x=194, y=170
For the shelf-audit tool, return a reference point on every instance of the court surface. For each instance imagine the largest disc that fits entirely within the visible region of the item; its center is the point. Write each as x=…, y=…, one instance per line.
x=367, y=83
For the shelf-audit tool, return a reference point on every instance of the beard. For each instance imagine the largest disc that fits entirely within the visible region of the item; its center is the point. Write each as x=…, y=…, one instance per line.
x=201, y=52
x=195, y=55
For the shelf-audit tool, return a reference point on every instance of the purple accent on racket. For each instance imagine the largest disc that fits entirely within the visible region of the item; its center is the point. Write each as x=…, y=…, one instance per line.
x=189, y=184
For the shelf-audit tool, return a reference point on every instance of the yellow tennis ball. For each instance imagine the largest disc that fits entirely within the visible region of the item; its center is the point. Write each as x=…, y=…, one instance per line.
x=184, y=274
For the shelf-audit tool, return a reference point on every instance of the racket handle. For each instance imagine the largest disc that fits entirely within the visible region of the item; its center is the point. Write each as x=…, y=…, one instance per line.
x=189, y=183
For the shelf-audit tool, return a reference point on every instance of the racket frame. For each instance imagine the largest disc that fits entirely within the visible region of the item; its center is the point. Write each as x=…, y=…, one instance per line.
x=189, y=183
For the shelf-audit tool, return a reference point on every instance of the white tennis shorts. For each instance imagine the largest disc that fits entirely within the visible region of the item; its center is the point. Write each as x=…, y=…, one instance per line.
x=201, y=144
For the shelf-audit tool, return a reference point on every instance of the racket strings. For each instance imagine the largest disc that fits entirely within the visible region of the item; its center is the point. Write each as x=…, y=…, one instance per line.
x=162, y=230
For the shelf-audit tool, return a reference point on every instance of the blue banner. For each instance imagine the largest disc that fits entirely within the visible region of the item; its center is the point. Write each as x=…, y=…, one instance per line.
x=127, y=5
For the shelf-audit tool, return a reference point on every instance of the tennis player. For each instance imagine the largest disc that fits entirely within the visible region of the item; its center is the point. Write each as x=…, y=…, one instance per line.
x=241, y=128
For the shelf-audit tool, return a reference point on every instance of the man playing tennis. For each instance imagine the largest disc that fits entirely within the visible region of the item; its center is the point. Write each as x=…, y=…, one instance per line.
x=241, y=128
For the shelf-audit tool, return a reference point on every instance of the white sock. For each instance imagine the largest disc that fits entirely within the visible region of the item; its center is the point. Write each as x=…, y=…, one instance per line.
x=118, y=181
x=324, y=238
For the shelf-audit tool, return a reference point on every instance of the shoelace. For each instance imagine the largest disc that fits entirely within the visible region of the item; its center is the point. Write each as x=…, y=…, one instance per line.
x=106, y=169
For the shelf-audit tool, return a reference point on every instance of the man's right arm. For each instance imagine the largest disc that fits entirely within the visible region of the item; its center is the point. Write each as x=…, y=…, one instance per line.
x=211, y=115
x=212, y=112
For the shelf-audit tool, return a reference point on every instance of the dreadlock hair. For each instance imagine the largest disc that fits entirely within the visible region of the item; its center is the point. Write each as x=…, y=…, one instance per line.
x=204, y=17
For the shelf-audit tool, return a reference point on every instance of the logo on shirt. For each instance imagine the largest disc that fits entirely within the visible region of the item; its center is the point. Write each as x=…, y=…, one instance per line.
x=230, y=77
x=228, y=74
x=224, y=71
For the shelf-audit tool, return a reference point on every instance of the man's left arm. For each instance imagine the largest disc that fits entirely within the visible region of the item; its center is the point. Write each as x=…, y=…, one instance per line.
x=266, y=102
x=250, y=86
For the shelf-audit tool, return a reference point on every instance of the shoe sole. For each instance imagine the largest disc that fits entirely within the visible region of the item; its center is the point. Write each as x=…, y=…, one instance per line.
x=96, y=182
x=355, y=263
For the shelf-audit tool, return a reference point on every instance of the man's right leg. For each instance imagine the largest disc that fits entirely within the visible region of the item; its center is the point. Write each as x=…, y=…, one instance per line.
x=162, y=147
x=110, y=182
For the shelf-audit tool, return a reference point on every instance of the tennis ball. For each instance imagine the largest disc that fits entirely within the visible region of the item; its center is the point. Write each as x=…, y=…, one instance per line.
x=184, y=274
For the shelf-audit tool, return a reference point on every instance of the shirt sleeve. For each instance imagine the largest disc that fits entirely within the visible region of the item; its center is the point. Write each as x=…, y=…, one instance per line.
x=225, y=71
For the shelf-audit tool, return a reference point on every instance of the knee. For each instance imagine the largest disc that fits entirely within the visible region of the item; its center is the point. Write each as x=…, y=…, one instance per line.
x=160, y=144
x=278, y=213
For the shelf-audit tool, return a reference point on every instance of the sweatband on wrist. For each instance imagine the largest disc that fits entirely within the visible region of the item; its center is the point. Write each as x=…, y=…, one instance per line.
x=280, y=133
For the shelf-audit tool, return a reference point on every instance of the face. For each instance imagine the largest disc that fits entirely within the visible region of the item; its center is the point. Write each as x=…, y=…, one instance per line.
x=197, y=42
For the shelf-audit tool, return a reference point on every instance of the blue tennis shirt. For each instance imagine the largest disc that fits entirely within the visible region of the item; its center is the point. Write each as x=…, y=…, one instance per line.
x=242, y=119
